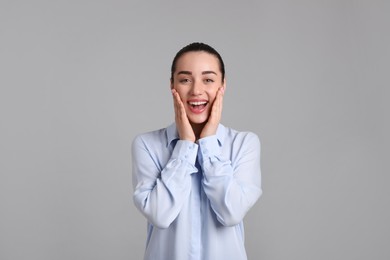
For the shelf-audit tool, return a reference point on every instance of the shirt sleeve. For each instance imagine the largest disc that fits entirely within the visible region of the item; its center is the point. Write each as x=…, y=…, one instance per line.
x=160, y=194
x=231, y=188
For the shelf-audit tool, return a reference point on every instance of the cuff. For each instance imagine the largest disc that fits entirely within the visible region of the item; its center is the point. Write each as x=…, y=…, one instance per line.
x=209, y=148
x=185, y=150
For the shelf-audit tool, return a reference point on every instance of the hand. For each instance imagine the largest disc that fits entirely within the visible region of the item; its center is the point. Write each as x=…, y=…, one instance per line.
x=182, y=123
x=215, y=116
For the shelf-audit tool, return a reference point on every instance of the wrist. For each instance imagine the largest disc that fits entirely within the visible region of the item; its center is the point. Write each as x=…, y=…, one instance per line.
x=186, y=138
x=207, y=133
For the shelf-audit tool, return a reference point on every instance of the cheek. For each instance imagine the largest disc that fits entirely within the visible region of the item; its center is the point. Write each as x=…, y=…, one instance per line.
x=180, y=92
x=212, y=96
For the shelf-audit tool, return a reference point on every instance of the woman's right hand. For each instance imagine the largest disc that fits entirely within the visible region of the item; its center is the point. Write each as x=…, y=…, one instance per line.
x=182, y=123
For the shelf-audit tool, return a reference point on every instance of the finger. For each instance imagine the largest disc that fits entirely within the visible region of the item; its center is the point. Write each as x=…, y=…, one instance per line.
x=177, y=107
x=217, y=101
x=217, y=107
x=175, y=96
x=175, y=101
x=221, y=99
x=180, y=105
x=180, y=110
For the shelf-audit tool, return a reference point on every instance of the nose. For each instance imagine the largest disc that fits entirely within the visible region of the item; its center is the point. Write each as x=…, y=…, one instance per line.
x=197, y=88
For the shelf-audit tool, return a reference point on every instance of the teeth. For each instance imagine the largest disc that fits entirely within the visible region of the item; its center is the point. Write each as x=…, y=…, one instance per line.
x=197, y=103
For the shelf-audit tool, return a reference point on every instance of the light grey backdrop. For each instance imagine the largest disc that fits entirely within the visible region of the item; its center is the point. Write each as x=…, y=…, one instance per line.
x=79, y=79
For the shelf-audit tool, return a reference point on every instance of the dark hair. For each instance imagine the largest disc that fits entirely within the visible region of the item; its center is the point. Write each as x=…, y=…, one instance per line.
x=198, y=46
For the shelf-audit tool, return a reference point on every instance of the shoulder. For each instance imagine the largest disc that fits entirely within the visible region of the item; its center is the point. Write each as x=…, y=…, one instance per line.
x=150, y=138
x=241, y=144
x=242, y=137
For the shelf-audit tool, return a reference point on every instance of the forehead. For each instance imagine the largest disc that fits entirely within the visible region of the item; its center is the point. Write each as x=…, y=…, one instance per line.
x=197, y=60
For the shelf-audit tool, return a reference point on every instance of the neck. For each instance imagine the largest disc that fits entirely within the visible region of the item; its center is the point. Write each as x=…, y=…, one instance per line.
x=197, y=128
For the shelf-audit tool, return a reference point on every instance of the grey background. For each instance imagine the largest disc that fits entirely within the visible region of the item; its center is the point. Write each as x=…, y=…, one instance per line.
x=79, y=79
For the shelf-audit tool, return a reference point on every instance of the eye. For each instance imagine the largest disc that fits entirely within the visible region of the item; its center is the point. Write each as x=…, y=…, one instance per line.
x=185, y=80
x=209, y=80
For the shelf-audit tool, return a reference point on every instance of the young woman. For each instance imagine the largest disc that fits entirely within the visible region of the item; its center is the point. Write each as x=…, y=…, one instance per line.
x=195, y=180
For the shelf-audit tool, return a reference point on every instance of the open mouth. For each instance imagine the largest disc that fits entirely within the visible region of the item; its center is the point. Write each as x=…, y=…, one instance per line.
x=197, y=106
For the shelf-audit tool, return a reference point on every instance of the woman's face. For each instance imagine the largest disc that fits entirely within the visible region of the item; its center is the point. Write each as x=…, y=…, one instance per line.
x=197, y=79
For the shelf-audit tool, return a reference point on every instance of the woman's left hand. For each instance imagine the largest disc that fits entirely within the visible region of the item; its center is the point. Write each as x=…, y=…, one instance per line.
x=215, y=116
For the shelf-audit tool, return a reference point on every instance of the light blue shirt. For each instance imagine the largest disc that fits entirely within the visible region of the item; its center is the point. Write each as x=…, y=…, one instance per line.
x=195, y=195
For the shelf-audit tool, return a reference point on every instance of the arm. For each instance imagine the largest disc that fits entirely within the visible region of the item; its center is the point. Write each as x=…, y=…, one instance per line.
x=160, y=194
x=231, y=189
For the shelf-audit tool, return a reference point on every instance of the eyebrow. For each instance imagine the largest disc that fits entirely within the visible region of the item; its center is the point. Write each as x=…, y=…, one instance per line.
x=208, y=72
x=185, y=72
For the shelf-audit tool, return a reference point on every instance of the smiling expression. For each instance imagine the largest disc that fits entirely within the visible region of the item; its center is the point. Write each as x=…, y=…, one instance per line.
x=197, y=79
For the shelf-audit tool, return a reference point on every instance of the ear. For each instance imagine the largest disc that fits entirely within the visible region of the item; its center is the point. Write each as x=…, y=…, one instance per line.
x=224, y=84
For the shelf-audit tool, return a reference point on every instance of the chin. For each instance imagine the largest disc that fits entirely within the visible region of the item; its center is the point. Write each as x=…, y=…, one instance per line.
x=198, y=120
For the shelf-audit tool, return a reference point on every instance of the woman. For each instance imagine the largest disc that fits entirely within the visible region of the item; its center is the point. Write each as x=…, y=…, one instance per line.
x=195, y=180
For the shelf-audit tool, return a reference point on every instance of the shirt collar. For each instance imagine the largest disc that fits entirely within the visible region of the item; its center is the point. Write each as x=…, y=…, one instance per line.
x=173, y=135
